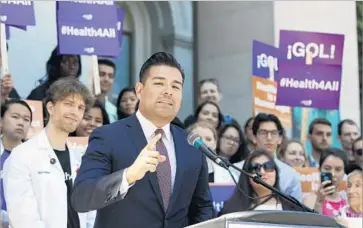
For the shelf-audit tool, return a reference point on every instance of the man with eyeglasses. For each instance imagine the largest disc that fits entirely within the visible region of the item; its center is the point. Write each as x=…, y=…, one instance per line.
x=268, y=133
x=358, y=151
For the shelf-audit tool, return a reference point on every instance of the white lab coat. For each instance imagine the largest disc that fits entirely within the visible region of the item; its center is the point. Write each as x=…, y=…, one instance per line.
x=35, y=192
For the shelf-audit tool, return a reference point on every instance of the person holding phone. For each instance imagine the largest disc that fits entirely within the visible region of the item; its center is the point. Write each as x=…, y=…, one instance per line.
x=329, y=201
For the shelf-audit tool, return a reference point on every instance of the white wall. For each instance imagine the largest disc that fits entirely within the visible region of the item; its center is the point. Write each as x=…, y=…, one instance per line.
x=331, y=17
x=29, y=50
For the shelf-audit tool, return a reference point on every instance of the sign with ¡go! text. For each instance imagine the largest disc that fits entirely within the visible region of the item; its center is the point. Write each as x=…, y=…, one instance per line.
x=264, y=60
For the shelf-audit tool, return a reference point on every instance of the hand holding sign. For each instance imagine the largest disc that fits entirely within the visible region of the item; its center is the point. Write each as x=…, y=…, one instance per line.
x=6, y=86
x=147, y=161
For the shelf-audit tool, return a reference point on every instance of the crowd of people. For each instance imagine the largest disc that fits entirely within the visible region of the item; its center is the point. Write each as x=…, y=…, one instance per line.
x=259, y=146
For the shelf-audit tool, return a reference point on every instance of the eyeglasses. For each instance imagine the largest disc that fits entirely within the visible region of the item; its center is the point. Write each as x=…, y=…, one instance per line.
x=359, y=151
x=265, y=133
x=256, y=167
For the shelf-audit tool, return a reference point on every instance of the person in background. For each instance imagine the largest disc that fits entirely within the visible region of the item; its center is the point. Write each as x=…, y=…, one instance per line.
x=209, y=90
x=329, y=201
x=209, y=111
x=268, y=133
x=348, y=132
x=249, y=134
x=7, y=84
x=93, y=118
x=16, y=117
x=260, y=162
x=107, y=71
x=126, y=103
x=320, y=137
x=39, y=173
x=293, y=153
x=358, y=151
x=231, y=143
x=58, y=66
x=354, y=193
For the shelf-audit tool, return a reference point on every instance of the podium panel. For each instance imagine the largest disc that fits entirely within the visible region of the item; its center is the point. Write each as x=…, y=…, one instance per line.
x=264, y=225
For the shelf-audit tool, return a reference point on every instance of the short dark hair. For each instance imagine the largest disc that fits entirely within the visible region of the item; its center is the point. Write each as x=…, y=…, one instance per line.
x=335, y=152
x=341, y=123
x=355, y=141
x=107, y=62
x=264, y=117
x=318, y=121
x=5, y=106
x=157, y=59
x=64, y=87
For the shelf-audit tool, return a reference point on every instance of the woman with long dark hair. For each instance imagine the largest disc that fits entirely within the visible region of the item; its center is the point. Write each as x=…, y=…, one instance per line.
x=210, y=112
x=256, y=196
x=126, y=103
x=58, y=66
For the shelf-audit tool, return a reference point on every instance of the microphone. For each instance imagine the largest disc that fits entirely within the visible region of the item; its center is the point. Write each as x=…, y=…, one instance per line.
x=195, y=140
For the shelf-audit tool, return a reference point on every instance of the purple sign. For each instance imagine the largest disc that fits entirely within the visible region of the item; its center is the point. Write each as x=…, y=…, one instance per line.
x=325, y=48
x=87, y=32
x=87, y=10
x=120, y=23
x=19, y=13
x=264, y=55
x=313, y=86
x=7, y=32
x=220, y=194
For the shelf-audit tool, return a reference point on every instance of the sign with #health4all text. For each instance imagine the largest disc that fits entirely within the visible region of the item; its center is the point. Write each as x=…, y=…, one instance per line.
x=18, y=13
x=313, y=80
x=85, y=31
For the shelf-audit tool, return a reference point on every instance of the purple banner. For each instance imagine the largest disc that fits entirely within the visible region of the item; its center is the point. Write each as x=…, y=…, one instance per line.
x=87, y=10
x=263, y=56
x=19, y=13
x=85, y=31
x=325, y=48
x=7, y=31
x=220, y=194
x=316, y=86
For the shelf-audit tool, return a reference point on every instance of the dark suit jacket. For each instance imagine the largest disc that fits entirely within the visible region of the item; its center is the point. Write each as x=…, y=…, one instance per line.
x=114, y=147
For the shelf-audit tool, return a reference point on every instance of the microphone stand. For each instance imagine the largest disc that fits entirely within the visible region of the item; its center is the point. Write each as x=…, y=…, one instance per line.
x=257, y=179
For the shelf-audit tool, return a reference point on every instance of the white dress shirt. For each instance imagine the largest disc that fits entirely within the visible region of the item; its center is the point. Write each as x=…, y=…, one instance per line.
x=149, y=131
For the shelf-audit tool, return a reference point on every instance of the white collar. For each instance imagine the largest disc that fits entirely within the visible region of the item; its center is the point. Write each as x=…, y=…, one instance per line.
x=149, y=128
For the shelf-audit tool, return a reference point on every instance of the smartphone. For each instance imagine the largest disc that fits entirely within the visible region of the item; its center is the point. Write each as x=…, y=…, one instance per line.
x=325, y=176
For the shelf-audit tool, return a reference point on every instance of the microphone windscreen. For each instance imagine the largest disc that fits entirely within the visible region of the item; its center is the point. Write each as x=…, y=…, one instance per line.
x=192, y=137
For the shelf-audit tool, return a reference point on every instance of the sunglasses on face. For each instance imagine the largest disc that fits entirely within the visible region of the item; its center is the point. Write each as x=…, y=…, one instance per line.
x=256, y=167
x=359, y=151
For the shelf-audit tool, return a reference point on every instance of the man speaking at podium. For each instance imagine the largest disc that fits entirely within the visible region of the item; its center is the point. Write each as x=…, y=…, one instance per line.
x=140, y=171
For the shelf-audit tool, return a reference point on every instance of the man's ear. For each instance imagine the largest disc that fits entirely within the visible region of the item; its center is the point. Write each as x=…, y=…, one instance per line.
x=50, y=107
x=254, y=140
x=138, y=89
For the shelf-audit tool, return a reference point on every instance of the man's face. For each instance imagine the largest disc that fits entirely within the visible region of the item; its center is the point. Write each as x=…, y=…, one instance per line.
x=161, y=93
x=16, y=122
x=66, y=114
x=209, y=91
x=69, y=66
x=268, y=137
x=320, y=137
x=357, y=152
x=107, y=74
x=349, y=133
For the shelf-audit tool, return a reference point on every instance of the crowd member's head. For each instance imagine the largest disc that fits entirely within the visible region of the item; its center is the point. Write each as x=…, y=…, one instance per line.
x=209, y=111
x=209, y=91
x=66, y=102
x=358, y=151
x=268, y=132
x=160, y=88
x=320, y=134
x=231, y=143
x=334, y=161
x=261, y=163
x=62, y=66
x=16, y=118
x=355, y=193
x=107, y=71
x=206, y=131
x=126, y=103
x=249, y=133
x=293, y=153
x=93, y=118
x=348, y=132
